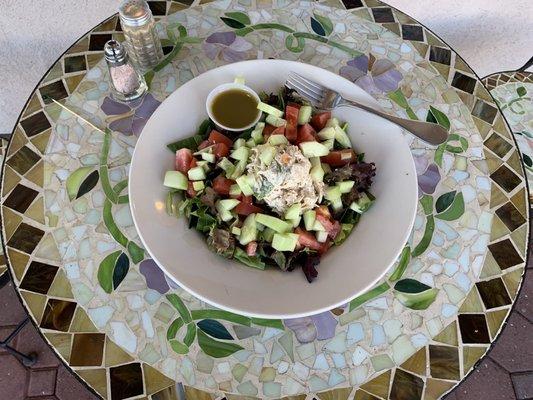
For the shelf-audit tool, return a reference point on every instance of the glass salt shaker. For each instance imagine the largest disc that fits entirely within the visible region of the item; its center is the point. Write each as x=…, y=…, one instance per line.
x=142, y=41
x=126, y=82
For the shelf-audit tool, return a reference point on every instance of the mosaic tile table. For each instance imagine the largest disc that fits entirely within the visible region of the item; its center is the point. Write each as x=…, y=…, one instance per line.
x=129, y=332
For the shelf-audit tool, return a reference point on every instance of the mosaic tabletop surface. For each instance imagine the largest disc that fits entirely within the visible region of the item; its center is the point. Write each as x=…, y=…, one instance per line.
x=130, y=332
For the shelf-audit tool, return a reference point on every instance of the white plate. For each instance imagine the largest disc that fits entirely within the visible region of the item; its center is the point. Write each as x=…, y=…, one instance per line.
x=345, y=272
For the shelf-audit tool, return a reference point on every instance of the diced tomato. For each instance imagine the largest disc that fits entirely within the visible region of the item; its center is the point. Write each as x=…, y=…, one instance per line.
x=220, y=150
x=279, y=131
x=307, y=239
x=338, y=158
x=319, y=120
x=291, y=114
x=332, y=227
x=221, y=185
x=324, y=247
x=251, y=248
x=204, y=144
x=295, y=105
x=267, y=131
x=246, y=206
x=190, y=190
x=217, y=137
x=306, y=133
x=291, y=132
x=324, y=211
x=183, y=160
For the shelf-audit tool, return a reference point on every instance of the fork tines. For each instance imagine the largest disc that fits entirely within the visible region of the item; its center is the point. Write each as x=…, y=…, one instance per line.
x=305, y=87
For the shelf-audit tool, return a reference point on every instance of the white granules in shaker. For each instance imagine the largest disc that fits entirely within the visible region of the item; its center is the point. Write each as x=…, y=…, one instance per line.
x=124, y=78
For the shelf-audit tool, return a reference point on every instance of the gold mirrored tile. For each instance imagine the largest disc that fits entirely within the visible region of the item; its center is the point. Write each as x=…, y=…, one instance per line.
x=335, y=394
x=472, y=302
x=421, y=47
x=154, y=380
x=416, y=363
x=444, y=70
x=87, y=349
x=18, y=262
x=93, y=59
x=362, y=13
x=515, y=163
x=35, y=303
x=36, y=174
x=498, y=229
x=497, y=196
x=448, y=335
x=461, y=65
x=23, y=160
x=435, y=388
x=96, y=378
x=114, y=355
x=175, y=7
x=80, y=46
x=47, y=249
x=483, y=127
x=55, y=72
x=520, y=201
x=379, y=386
x=33, y=105
x=483, y=94
x=444, y=362
x=471, y=355
x=519, y=237
x=81, y=321
x=11, y=179
x=500, y=126
x=36, y=211
x=512, y=281
x=490, y=267
x=73, y=81
x=495, y=320
x=18, y=140
x=11, y=221
x=433, y=40
x=362, y=395
x=62, y=343
x=61, y=287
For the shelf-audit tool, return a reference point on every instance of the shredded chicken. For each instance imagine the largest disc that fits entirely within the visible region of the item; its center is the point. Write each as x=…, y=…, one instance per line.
x=286, y=181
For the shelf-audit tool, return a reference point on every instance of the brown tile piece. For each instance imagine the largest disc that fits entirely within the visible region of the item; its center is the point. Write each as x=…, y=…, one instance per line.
x=471, y=355
x=126, y=381
x=26, y=238
x=155, y=381
x=42, y=382
x=514, y=348
x=58, y=314
x=97, y=41
x=360, y=395
x=74, y=64
x=416, y=363
x=435, y=388
x=55, y=90
x=413, y=32
x=523, y=385
x=506, y=178
x=498, y=145
x=68, y=387
x=505, y=254
x=38, y=277
x=349, y=4
x=473, y=328
x=35, y=124
x=440, y=55
x=444, y=362
x=493, y=293
x=484, y=111
x=463, y=82
x=158, y=7
x=510, y=216
x=87, y=349
x=20, y=198
x=383, y=14
x=406, y=386
x=379, y=385
x=23, y=160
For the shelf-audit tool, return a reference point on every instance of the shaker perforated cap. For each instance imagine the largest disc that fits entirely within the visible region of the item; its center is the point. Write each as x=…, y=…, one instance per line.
x=115, y=52
x=134, y=12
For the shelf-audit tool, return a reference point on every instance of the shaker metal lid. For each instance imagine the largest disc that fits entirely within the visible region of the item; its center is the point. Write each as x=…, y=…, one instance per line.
x=134, y=12
x=115, y=52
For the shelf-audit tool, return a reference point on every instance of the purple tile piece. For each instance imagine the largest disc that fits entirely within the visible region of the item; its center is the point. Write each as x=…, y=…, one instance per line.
x=524, y=303
x=68, y=387
x=12, y=378
x=42, y=382
x=523, y=385
x=514, y=348
x=12, y=310
x=325, y=324
x=155, y=278
x=488, y=381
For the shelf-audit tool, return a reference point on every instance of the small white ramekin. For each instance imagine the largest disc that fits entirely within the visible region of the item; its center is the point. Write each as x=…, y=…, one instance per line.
x=222, y=88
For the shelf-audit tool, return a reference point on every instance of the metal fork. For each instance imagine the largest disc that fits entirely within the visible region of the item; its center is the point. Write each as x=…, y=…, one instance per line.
x=328, y=99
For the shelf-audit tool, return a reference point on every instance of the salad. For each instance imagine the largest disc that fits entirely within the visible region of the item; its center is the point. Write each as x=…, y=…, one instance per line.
x=280, y=194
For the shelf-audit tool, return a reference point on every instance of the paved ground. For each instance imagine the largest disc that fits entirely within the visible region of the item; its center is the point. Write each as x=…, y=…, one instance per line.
x=505, y=374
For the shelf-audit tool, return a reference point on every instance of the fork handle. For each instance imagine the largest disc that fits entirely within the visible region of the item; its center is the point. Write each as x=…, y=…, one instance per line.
x=427, y=131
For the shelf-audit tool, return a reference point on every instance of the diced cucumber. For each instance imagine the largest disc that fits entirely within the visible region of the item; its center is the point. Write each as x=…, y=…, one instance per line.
x=241, y=153
x=239, y=170
x=284, y=241
x=246, y=189
x=317, y=173
x=333, y=122
x=313, y=149
x=314, y=161
x=273, y=223
x=223, y=214
x=234, y=190
x=293, y=211
x=267, y=154
x=196, y=174
x=309, y=219
x=251, y=142
x=208, y=149
x=295, y=221
x=327, y=133
x=228, y=204
x=276, y=140
x=175, y=180
x=321, y=236
x=268, y=234
x=204, y=164
x=257, y=136
x=236, y=230
x=344, y=126
x=269, y=109
x=345, y=186
x=275, y=121
x=209, y=157
x=337, y=204
x=317, y=226
x=239, y=143
x=259, y=127
x=304, y=115
x=326, y=168
x=239, y=80
x=330, y=143
x=362, y=205
x=332, y=193
x=198, y=185
x=226, y=165
x=260, y=227
x=248, y=230
x=342, y=138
